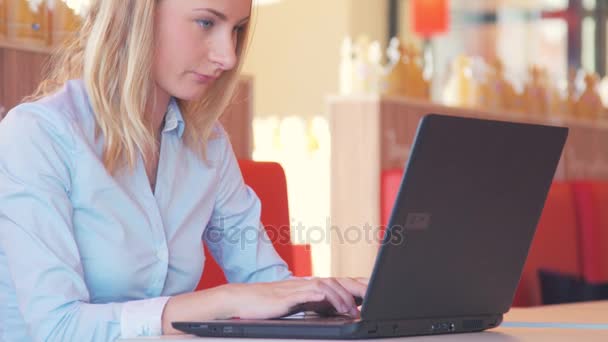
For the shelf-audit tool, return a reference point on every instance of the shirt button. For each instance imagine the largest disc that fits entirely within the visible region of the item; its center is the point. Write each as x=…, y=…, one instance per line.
x=162, y=254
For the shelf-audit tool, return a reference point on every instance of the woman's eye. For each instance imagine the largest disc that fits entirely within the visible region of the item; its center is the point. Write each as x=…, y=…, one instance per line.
x=239, y=29
x=205, y=23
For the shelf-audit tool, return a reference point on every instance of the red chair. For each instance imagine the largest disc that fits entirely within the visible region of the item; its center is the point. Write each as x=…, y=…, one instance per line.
x=592, y=207
x=555, y=246
x=267, y=179
x=390, y=181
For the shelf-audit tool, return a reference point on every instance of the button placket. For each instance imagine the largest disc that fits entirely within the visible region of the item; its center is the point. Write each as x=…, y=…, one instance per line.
x=162, y=254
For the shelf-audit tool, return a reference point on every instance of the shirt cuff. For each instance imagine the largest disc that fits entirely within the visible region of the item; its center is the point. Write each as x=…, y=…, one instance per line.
x=142, y=317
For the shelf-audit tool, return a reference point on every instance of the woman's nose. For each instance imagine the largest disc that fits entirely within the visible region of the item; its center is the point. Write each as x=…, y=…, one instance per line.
x=223, y=54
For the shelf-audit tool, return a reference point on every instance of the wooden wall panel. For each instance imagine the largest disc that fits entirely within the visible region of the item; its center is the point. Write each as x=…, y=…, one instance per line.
x=22, y=72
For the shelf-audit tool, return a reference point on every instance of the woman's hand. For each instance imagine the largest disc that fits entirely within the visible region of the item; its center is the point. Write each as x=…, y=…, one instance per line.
x=271, y=300
x=265, y=300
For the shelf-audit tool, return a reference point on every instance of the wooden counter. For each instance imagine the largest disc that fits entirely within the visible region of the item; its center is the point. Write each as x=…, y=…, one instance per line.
x=372, y=134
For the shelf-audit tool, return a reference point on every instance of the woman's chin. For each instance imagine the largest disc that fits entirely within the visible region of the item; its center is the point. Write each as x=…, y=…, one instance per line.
x=191, y=94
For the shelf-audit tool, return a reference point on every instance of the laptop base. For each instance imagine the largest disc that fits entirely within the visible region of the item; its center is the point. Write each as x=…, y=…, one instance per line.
x=336, y=329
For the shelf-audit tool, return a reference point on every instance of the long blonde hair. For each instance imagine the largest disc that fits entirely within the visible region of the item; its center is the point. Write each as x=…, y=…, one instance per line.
x=113, y=54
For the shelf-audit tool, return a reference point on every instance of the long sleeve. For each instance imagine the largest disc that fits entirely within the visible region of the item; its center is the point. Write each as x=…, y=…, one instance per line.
x=38, y=238
x=235, y=236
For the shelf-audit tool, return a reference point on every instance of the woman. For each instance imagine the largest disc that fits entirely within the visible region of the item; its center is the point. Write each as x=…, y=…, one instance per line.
x=111, y=175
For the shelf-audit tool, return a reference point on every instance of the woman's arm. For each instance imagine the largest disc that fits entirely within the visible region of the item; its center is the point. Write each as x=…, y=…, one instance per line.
x=235, y=236
x=261, y=285
x=38, y=239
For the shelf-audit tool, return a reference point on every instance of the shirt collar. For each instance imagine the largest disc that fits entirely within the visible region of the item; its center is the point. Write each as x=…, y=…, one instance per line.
x=174, y=119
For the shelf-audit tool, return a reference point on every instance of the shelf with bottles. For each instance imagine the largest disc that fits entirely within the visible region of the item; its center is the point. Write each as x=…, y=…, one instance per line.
x=35, y=25
x=471, y=82
x=363, y=69
x=65, y=22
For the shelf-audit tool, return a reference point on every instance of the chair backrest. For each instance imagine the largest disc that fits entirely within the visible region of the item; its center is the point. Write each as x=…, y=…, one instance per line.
x=267, y=179
x=555, y=246
x=592, y=208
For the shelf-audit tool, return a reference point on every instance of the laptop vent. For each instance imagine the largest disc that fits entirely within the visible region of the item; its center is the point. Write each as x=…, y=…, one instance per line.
x=472, y=324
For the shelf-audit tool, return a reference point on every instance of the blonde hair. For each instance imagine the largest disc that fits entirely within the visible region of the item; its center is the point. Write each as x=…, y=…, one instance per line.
x=113, y=54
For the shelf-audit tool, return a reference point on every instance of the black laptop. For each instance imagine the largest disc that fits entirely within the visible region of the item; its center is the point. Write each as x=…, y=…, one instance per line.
x=457, y=240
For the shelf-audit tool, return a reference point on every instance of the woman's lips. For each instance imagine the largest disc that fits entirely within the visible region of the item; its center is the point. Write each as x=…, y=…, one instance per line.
x=205, y=79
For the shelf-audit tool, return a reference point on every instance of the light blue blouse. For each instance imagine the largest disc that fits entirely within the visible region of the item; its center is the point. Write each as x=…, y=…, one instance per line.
x=85, y=256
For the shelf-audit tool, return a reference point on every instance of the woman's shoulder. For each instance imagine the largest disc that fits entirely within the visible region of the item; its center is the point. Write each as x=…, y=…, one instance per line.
x=219, y=139
x=44, y=132
x=70, y=101
x=218, y=132
x=58, y=113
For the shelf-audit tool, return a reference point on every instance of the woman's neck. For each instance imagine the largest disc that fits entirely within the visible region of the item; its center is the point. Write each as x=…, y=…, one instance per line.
x=157, y=110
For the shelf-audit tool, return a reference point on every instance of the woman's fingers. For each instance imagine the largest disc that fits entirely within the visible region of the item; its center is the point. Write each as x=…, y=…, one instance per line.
x=332, y=295
x=362, y=280
x=341, y=293
x=338, y=292
x=307, y=296
x=355, y=287
x=297, y=299
x=345, y=294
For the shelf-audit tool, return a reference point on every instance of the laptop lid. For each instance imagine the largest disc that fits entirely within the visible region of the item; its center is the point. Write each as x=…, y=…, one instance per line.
x=463, y=219
x=458, y=236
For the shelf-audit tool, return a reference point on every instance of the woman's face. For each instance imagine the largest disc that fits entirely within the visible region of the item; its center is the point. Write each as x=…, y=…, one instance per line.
x=195, y=43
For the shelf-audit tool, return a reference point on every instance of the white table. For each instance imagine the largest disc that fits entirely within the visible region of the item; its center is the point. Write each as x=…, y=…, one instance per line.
x=566, y=322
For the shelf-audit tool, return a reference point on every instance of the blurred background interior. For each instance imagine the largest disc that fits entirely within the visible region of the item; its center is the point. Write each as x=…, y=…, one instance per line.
x=332, y=90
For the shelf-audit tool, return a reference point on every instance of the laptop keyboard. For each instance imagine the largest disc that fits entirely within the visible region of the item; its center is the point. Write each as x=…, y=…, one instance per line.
x=315, y=317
